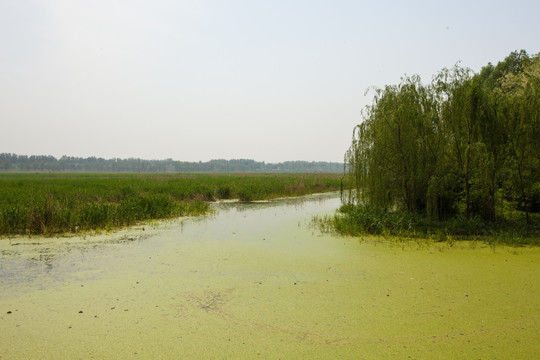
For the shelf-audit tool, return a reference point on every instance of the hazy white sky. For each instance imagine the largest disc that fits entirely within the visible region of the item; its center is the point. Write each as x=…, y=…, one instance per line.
x=198, y=80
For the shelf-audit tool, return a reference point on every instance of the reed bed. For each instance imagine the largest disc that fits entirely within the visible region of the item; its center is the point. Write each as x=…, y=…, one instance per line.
x=53, y=203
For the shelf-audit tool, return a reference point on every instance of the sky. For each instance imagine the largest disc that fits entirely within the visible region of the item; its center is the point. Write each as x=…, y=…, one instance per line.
x=198, y=80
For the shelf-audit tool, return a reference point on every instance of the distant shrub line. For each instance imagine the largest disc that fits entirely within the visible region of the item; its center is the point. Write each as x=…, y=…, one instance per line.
x=23, y=163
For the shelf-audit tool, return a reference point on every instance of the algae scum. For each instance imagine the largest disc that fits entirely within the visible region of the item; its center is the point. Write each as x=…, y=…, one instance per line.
x=255, y=281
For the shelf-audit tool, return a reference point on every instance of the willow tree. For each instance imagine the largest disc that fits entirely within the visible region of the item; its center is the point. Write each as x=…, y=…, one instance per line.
x=394, y=151
x=453, y=146
x=466, y=121
x=492, y=135
x=521, y=95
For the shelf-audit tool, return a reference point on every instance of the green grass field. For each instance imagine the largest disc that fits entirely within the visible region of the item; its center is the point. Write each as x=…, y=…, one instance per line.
x=53, y=203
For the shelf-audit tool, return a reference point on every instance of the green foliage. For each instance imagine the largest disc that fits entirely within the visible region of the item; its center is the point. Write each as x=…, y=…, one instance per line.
x=55, y=203
x=366, y=219
x=355, y=220
x=13, y=162
x=454, y=149
x=246, y=195
x=224, y=192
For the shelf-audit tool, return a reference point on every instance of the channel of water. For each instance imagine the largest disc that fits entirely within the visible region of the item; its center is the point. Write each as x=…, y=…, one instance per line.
x=255, y=280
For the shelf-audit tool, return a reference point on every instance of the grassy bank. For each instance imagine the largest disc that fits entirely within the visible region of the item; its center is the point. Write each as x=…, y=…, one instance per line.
x=511, y=227
x=55, y=203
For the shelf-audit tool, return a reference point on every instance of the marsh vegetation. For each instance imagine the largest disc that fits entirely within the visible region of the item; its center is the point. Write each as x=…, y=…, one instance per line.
x=57, y=203
x=250, y=282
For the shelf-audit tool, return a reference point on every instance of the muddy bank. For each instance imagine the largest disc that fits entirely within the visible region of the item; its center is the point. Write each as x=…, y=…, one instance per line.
x=254, y=281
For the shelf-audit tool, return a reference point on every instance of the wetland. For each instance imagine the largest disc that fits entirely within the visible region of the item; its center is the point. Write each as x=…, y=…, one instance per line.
x=257, y=280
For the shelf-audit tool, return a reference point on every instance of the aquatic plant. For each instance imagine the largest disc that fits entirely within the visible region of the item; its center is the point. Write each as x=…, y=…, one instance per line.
x=54, y=202
x=357, y=220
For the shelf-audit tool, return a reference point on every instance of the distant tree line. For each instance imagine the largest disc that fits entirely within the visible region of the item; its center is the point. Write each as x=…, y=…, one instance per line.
x=467, y=144
x=23, y=163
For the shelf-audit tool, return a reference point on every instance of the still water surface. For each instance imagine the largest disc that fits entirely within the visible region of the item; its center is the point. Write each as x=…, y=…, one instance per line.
x=256, y=281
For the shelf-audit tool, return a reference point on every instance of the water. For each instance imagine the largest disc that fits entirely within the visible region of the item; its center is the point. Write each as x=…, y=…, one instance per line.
x=256, y=281
x=46, y=260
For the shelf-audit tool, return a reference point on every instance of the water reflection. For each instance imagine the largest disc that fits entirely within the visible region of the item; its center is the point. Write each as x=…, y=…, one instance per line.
x=296, y=202
x=25, y=261
x=44, y=260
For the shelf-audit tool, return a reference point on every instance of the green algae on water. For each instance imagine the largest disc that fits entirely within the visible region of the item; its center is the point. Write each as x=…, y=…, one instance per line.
x=251, y=281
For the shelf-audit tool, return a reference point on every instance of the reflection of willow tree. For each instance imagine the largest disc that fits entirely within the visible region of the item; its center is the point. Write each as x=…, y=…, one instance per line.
x=459, y=145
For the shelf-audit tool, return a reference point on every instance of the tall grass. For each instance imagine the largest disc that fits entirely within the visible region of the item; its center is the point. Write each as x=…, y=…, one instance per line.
x=58, y=203
x=511, y=227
